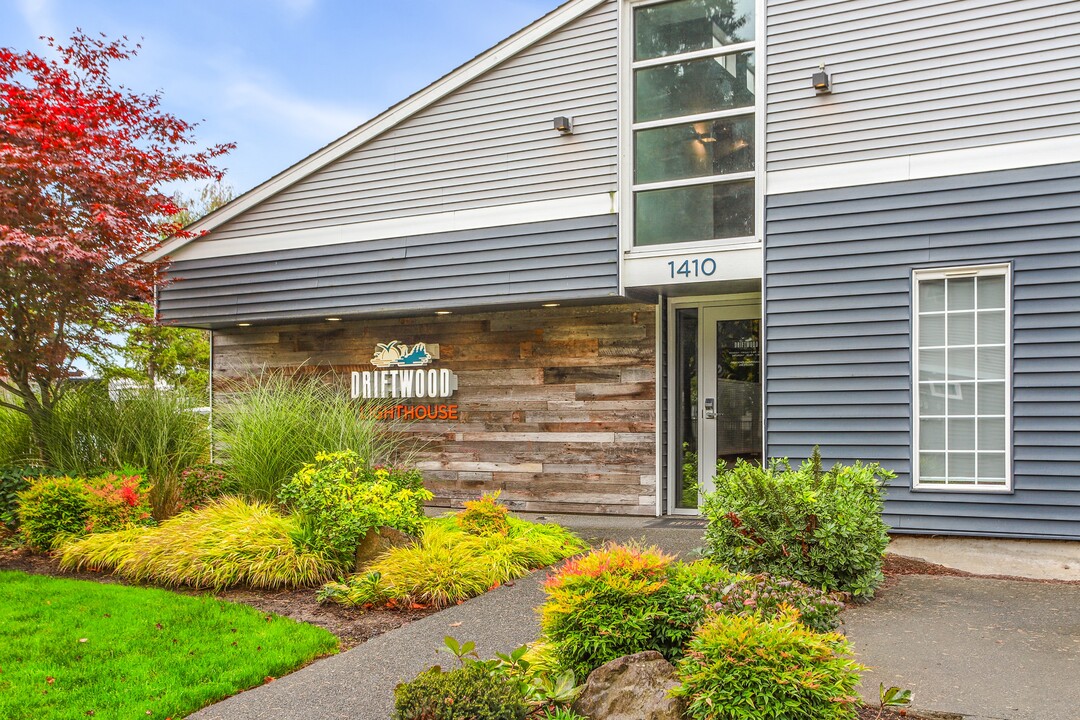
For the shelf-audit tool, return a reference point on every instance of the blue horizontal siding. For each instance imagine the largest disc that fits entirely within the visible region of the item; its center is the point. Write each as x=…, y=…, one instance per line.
x=838, y=334
x=575, y=259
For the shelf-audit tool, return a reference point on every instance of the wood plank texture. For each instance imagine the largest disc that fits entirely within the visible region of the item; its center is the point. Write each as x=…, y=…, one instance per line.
x=556, y=407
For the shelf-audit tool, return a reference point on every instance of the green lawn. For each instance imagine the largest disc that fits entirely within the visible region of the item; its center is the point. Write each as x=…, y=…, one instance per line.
x=71, y=649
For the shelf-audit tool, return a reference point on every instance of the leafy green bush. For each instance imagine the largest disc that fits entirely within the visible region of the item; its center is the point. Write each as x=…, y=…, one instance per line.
x=271, y=427
x=702, y=588
x=746, y=668
x=52, y=508
x=485, y=516
x=200, y=485
x=609, y=603
x=57, y=508
x=230, y=542
x=340, y=499
x=448, y=564
x=822, y=528
x=467, y=693
x=621, y=600
x=13, y=480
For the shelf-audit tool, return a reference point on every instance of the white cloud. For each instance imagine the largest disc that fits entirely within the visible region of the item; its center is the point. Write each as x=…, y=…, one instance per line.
x=265, y=101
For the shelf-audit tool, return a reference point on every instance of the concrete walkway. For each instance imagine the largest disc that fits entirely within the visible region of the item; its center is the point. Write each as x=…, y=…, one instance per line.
x=359, y=684
x=988, y=649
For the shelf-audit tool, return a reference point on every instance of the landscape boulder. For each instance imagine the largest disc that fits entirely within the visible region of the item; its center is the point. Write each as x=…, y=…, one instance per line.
x=634, y=687
x=376, y=542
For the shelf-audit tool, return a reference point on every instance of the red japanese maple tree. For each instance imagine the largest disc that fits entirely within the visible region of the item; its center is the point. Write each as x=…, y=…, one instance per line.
x=84, y=167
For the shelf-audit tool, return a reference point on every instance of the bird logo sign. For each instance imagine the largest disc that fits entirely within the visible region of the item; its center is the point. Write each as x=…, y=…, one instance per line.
x=398, y=354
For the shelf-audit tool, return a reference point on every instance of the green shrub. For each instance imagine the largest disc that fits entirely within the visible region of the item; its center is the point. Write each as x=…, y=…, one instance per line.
x=746, y=668
x=230, y=542
x=56, y=508
x=485, y=516
x=609, y=603
x=822, y=528
x=448, y=565
x=622, y=600
x=271, y=427
x=467, y=693
x=339, y=499
x=53, y=508
x=702, y=588
x=200, y=485
x=13, y=480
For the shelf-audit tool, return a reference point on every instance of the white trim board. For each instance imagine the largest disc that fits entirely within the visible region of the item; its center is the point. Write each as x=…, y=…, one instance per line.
x=989, y=158
x=397, y=114
x=498, y=216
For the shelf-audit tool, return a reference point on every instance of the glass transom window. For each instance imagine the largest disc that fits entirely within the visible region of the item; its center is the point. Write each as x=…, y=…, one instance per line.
x=962, y=371
x=693, y=75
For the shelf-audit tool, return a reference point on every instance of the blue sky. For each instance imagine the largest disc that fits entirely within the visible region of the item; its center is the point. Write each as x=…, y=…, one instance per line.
x=281, y=78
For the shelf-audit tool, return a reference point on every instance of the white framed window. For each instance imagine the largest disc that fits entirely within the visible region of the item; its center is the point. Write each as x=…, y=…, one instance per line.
x=962, y=374
x=692, y=88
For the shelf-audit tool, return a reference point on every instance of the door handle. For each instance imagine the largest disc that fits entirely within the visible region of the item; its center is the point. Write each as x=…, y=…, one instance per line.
x=710, y=408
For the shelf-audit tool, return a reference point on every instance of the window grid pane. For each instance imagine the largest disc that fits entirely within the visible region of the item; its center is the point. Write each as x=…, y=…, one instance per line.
x=962, y=340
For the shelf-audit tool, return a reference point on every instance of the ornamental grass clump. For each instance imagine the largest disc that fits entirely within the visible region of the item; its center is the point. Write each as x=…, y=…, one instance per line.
x=448, y=565
x=823, y=528
x=748, y=668
x=339, y=499
x=269, y=428
x=228, y=543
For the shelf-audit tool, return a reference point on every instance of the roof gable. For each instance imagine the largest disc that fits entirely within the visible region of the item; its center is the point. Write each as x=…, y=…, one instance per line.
x=389, y=119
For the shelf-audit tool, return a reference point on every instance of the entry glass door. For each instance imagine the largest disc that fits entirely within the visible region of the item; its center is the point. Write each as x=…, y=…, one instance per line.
x=718, y=403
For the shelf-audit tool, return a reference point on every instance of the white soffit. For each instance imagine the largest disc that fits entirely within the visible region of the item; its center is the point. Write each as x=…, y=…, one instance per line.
x=399, y=113
x=498, y=216
x=989, y=158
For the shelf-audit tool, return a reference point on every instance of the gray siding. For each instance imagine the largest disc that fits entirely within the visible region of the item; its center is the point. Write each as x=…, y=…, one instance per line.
x=838, y=308
x=918, y=76
x=518, y=264
x=489, y=143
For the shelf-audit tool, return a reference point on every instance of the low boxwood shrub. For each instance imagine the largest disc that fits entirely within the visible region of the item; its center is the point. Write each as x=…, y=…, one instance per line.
x=749, y=668
x=621, y=600
x=823, y=528
x=230, y=542
x=339, y=499
x=13, y=480
x=56, y=508
x=448, y=565
x=466, y=693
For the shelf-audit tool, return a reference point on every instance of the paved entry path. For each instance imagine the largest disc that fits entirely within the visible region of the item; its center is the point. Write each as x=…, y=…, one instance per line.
x=986, y=649
x=359, y=684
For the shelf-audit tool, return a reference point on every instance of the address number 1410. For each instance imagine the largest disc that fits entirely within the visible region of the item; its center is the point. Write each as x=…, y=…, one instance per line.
x=692, y=268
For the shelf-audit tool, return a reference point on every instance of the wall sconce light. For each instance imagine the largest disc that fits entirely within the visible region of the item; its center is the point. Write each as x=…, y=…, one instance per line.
x=565, y=125
x=821, y=81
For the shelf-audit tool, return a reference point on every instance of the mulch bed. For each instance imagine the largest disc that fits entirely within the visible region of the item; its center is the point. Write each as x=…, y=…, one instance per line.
x=352, y=625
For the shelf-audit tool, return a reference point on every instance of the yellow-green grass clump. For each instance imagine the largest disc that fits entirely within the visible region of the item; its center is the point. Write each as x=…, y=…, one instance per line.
x=228, y=543
x=450, y=564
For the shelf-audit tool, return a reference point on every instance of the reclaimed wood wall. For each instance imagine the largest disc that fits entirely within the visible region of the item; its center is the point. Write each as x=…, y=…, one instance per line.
x=556, y=406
